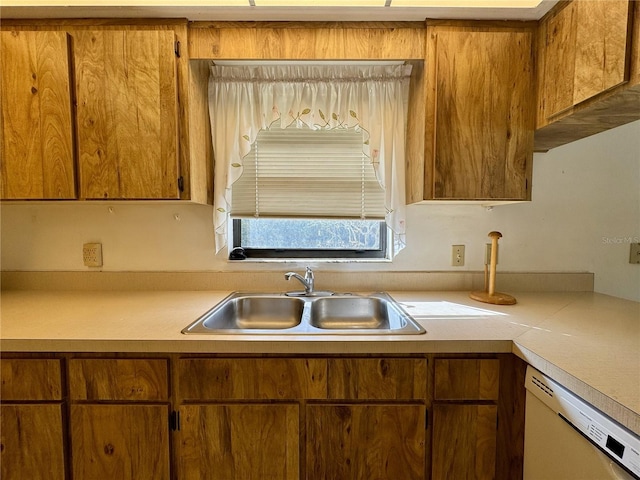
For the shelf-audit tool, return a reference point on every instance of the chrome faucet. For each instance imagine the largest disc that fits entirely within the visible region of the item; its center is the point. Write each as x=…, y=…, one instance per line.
x=307, y=280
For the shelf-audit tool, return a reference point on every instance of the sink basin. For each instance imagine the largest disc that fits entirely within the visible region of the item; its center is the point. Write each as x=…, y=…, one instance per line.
x=249, y=312
x=277, y=314
x=351, y=313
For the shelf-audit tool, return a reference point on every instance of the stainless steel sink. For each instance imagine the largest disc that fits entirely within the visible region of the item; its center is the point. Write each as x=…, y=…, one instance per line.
x=277, y=314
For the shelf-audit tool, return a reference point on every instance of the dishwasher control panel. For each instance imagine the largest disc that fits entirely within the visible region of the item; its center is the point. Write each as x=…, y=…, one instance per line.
x=617, y=442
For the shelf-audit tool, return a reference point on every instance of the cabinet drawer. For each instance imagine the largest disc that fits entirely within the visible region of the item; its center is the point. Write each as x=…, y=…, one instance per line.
x=116, y=379
x=31, y=379
x=466, y=379
x=377, y=378
x=252, y=378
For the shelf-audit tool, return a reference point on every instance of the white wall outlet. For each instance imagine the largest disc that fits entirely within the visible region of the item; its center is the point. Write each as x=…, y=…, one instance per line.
x=457, y=255
x=92, y=254
x=634, y=253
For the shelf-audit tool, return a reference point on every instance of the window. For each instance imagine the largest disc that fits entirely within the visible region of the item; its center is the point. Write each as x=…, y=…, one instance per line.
x=320, y=175
x=310, y=238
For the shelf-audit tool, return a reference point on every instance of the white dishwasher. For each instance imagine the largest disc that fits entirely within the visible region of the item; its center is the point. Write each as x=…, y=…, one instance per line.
x=568, y=439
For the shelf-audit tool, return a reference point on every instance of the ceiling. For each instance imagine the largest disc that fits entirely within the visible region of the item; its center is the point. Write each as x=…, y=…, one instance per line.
x=280, y=10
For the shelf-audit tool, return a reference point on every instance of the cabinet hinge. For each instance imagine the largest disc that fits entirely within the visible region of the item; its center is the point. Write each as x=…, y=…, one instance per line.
x=174, y=421
x=177, y=48
x=181, y=184
x=426, y=419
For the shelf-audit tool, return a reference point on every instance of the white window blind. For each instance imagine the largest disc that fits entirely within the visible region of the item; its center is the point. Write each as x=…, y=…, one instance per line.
x=299, y=172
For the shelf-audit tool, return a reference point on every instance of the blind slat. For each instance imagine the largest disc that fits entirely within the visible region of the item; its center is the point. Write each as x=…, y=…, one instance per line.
x=301, y=172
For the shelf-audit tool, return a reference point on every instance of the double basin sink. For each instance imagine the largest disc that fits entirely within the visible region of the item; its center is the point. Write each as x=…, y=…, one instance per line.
x=278, y=314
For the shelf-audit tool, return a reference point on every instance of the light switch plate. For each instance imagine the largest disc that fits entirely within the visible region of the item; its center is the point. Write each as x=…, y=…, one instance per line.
x=634, y=253
x=457, y=255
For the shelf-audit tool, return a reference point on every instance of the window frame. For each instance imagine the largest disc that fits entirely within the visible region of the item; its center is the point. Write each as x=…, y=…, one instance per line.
x=315, y=253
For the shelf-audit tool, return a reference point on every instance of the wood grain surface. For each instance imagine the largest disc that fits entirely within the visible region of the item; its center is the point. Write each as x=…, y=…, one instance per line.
x=36, y=147
x=239, y=442
x=30, y=379
x=127, y=442
x=126, y=114
x=306, y=41
x=365, y=442
x=382, y=379
x=32, y=442
x=270, y=378
x=482, y=101
x=464, y=441
x=118, y=379
x=466, y=379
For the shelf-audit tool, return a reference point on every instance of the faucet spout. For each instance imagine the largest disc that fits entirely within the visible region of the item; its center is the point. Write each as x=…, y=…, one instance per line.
x=307, y=281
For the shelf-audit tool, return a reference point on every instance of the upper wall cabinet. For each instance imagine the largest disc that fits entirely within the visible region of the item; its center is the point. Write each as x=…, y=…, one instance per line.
x=36, y=137
x=479, y=113
x=126, y=114
x=584, y=48
x=587, y=69
x=97, y=110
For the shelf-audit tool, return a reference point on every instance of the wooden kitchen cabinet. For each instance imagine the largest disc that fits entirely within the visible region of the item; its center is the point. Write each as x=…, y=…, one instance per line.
x=112, y=439
x=479, y=112
x=583, y=51
x=36, y=143
x=465, y=434
x=126, y=88
x=32, y=430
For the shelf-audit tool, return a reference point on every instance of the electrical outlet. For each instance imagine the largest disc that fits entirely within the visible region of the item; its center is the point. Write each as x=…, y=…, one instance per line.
x=92, y=254
x=634, y=253
x=457, y=255
x=487, y=254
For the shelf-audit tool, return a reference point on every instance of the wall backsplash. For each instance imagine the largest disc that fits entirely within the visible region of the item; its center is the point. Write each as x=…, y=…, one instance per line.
x=584, y=213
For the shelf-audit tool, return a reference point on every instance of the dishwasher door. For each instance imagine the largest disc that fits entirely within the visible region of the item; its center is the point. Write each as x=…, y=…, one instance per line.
x=557, y=427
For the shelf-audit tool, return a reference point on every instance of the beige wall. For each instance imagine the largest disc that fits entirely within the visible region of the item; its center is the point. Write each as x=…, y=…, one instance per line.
x=584, y=213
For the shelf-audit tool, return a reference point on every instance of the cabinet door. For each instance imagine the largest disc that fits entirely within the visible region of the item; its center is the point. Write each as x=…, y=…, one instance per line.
x=127, y=442
x=481, y=97
x=464, y=441
x=365, y=442
x=238, y=442
x=31, y=442
x=126, y=114
x=36, y=144
x=584, y=53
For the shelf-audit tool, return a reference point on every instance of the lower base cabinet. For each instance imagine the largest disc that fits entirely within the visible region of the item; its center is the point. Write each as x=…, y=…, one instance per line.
x=127, y=442
x=262, y=417
x=238, y=441
x=365, y=442
x=32, y=442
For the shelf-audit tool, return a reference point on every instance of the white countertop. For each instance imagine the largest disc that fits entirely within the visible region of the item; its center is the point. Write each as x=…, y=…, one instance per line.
x=589, y=342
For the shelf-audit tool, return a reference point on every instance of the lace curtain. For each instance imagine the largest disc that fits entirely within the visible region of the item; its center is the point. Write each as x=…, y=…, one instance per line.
x=244, y=100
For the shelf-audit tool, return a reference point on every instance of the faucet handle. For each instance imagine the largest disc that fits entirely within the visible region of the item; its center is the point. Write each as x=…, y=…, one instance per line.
x=308, y=274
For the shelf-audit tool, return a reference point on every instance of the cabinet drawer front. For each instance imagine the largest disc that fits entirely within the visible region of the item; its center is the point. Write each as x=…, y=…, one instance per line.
x=115, y=379
x=377, y=379
x=467, y=379
x=259, y=378
x=31, y=379
x=32, y=442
